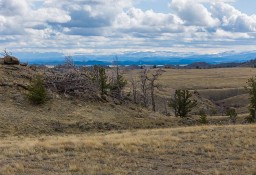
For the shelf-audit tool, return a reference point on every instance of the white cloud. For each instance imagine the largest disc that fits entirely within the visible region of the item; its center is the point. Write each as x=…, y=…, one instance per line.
x=221, y=34
x=137, y=21
x=51, y=15
x=14, y=7
x=18, y=17
x=232, y=19
x=118, y=25
x=193, y=13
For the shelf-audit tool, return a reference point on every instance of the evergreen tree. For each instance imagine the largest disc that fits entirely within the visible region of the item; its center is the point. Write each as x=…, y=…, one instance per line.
x=103, y=81
x=251, y=88
x=182, y=103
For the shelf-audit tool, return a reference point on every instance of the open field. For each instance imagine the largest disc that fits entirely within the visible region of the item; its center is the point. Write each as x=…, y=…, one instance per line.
x=187, y=150
x=221, y=80
x=224, y=86
x=206, y=78
x=198, y=79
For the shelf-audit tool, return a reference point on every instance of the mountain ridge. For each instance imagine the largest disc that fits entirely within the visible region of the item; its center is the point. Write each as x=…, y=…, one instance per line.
x=138, y=58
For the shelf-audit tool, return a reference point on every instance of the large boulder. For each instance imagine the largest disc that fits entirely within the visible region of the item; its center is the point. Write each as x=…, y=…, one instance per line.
x=11, y=60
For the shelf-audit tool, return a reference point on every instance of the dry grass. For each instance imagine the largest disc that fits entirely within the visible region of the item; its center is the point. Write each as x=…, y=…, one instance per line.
x=216, y=85
x=207, y=78
x=70, y=117
x=203, y=78
x=191, y=150
x=60, y=117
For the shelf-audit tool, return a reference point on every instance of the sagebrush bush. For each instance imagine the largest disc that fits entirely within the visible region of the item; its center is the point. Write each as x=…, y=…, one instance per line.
x=36, y=91
x=203, y=117
x=231, y=112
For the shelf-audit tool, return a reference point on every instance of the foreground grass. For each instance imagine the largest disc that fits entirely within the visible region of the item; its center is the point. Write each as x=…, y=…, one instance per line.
x=188, y=150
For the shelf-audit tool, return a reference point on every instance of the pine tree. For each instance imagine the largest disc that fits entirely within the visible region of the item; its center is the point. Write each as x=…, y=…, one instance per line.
x=251, y=88
x=103, y=81
x=182, y=103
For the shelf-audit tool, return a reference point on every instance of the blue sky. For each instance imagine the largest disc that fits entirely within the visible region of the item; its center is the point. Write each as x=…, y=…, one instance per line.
x=120, y=26
x=246, y=6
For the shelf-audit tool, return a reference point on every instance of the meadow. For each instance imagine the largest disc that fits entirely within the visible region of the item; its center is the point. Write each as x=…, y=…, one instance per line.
x=186, y=150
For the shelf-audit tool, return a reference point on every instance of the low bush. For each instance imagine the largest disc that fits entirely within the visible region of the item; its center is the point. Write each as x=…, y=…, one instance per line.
x=37, y=92
x=203, y=117
x=231, y=112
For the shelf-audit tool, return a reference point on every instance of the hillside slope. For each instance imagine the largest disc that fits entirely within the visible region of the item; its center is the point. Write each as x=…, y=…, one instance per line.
x=69, y=115
x=64, y=115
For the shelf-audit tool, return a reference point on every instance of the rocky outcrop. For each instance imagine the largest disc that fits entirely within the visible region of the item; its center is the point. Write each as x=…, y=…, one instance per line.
x=10, y=60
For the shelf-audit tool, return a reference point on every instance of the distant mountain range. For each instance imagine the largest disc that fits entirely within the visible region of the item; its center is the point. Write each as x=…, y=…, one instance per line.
x=139, y=58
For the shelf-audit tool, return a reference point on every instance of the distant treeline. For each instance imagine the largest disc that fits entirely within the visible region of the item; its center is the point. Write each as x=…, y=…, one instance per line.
x=204, y=65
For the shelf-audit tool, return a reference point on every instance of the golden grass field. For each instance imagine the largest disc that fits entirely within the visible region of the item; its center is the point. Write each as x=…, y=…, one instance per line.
x=188, y=150
x=206, y=78
x=74, y=137
x=223, y=85
x=203, y=78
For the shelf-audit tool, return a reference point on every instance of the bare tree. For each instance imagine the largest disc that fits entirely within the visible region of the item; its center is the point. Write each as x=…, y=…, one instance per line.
x=118, y=82
x=153, y=85
x=5, y=53
x=148, y=83
x=69, y=62
x=144, y=86
x=134, y=88
x=166, y=107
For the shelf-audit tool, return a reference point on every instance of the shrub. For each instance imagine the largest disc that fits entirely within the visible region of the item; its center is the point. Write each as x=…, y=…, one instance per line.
x=231, y=112
x=203, y=117
x=36, y=91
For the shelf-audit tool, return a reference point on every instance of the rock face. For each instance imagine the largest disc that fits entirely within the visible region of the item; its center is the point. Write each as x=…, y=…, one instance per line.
x=11, y=60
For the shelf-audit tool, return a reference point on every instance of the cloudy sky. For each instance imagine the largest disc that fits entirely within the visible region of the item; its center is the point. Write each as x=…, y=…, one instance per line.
x=117, y=26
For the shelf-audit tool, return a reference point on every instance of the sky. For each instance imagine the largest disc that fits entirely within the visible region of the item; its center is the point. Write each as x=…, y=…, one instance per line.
x=122, y=26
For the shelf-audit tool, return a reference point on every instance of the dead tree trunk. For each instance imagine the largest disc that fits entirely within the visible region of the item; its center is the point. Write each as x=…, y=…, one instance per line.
x=153, y=86
x=134, y=87
x=144, y=87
